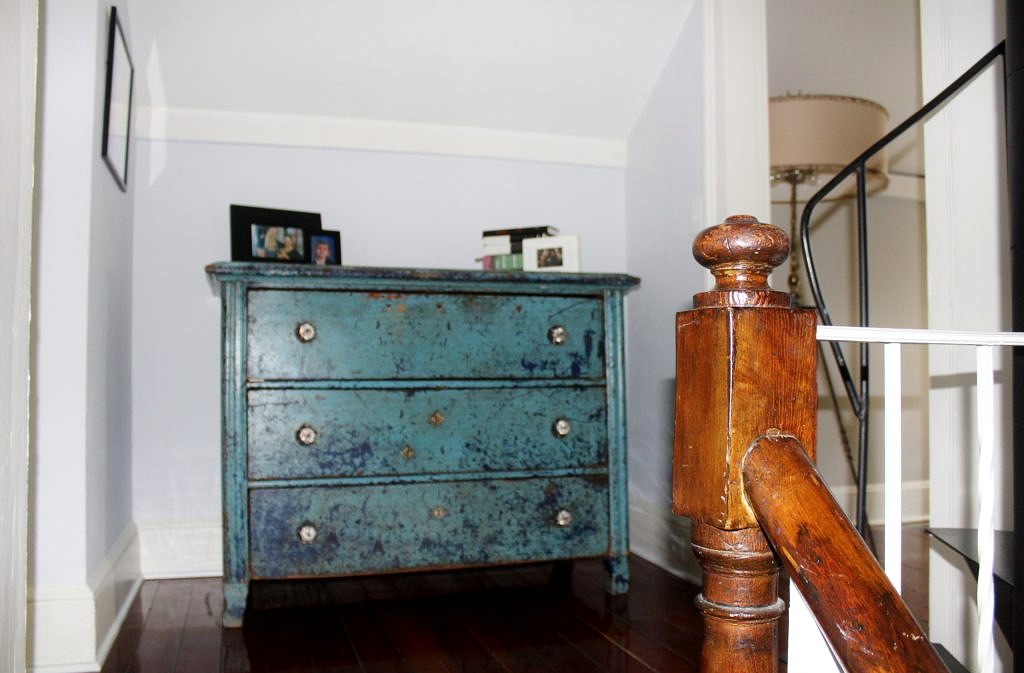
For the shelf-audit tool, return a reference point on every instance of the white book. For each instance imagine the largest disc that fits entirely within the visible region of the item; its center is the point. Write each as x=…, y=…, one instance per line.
x=497, y=245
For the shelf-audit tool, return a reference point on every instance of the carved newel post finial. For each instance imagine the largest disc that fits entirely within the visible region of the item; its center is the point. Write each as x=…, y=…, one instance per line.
x=740, y=253
x=745, y=365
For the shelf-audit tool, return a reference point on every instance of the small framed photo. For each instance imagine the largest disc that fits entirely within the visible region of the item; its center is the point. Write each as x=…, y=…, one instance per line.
x=551, y=253
x=268, y=235
x=325, y=248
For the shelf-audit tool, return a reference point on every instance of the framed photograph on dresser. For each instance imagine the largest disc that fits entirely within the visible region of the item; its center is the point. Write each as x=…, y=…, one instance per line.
x=325, y=248
x=269, y=235
x=551, y=253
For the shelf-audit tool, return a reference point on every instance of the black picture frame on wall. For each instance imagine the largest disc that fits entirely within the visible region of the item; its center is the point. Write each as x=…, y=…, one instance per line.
x=117, y=103
x=270, y=235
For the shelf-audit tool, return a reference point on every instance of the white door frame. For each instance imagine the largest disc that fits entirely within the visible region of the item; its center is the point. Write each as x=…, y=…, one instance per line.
x=18, y=56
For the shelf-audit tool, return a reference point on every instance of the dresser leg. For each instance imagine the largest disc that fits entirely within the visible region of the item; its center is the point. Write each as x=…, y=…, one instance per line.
x=618, y=574
x=235, y=595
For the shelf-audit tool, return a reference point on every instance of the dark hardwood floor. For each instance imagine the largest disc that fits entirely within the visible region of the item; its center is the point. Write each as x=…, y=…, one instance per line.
x=545, y=617
x=519, y=619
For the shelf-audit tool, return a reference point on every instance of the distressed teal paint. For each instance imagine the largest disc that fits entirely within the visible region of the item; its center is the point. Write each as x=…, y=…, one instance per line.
x=360, y=432
x=382, y=528
x=387, y=335
x=392, y=347
x=234, y=492
x=618, y=502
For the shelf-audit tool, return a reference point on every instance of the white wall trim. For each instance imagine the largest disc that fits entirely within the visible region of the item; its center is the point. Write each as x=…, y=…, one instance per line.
x=181, y=549
x=62, y=633
x=159, y=123
x=662, y=538
x=19, y=29
x=736, y=110
x=74, y=627
x=915, y=501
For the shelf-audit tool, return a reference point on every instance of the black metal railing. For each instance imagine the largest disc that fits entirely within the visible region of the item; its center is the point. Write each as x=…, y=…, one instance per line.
x=857, y=391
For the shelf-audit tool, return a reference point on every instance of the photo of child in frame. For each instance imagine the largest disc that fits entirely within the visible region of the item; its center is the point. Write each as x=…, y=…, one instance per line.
x=325, y=248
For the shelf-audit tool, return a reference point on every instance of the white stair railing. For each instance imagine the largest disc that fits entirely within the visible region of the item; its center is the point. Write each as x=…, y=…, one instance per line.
x=808, y=651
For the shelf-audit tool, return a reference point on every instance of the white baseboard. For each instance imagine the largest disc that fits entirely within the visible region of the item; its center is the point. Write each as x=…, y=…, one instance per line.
x=181, y=549
x=62, y=630
x=662, y=538
x=915, y=501
x=72, y=628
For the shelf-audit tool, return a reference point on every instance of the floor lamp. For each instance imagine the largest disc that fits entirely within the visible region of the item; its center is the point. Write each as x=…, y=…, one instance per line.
x=812, y=138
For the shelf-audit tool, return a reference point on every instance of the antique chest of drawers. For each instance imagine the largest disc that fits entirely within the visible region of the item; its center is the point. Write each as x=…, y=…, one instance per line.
x=377, y=420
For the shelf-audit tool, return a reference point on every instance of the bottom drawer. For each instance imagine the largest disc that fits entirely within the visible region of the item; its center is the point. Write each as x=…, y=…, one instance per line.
x=311, y=531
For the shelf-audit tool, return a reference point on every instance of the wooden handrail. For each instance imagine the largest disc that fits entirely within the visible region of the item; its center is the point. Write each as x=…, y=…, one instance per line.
x=867, y=624
x=746, y=363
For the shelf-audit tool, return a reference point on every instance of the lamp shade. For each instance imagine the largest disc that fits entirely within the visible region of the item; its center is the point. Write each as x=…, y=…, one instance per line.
x=815, y=136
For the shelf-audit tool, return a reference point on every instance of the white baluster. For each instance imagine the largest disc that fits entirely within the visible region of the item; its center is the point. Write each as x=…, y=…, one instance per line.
x=893, y=464
x=808, y=650
x=986, y=494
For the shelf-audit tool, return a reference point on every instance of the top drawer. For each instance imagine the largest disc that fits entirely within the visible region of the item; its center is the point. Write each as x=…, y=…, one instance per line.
x=371, y=335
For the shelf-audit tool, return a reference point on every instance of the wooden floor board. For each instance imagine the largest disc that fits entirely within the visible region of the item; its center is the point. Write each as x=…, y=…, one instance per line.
x=160, y=640
x=200, y=648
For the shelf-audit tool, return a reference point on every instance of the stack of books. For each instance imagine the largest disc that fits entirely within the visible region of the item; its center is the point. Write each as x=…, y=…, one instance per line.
x=503, y=248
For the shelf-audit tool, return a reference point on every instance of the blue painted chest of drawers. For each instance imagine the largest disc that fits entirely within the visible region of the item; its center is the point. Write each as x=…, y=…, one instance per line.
x=377, y=420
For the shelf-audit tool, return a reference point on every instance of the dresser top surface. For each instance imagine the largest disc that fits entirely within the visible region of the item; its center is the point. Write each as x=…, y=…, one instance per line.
x=341, y=276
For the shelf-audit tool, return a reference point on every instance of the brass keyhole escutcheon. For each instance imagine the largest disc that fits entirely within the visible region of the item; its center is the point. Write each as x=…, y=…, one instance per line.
x=436, y=418
x=408, y=453
x=438, y=512
x=306, y=332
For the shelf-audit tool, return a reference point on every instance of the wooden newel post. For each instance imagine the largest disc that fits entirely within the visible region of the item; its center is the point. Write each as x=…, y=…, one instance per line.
x=745, y=368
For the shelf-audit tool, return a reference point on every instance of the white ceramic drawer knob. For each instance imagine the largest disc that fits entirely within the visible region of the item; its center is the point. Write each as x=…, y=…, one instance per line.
x=306, y=435
x=563, y=518
x=306, y=332
x=307, y=533
x=561, y=427
x=558, y=335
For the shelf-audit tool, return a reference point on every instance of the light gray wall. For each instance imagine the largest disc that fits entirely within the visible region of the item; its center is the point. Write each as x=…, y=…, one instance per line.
x=82, y=285
x=65, y=184
x=664, y=211
x=109, y=344
x=391, y=209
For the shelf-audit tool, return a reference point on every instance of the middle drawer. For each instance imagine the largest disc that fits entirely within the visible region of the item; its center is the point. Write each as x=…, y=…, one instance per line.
x=336, y=433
